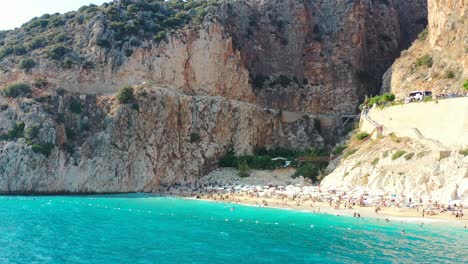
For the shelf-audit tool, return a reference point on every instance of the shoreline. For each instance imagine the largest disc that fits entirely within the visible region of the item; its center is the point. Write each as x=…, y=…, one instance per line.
x=408, y=215
x=392, y=214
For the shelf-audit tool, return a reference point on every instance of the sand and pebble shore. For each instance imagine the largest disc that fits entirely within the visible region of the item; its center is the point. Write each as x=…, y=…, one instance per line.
x=277, y=189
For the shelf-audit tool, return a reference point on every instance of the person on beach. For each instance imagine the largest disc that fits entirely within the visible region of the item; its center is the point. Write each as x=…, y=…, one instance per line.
x=377, y=209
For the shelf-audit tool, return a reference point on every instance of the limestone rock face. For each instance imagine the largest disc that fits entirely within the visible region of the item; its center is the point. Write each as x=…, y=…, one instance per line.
x=438, y=61
x=326, y=54
x=333, y=52
x=207, y=88
x=193, y=61
x=417, y=173
x=171, y=138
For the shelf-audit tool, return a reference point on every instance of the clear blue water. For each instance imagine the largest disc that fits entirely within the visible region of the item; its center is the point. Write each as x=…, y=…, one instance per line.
x=145, y=229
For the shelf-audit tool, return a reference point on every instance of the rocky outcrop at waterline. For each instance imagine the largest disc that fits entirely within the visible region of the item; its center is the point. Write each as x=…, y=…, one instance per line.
x=164, y=138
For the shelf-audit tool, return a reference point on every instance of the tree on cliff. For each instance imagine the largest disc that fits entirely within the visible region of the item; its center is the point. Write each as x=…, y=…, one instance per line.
x=125, y=95
x=244, y=170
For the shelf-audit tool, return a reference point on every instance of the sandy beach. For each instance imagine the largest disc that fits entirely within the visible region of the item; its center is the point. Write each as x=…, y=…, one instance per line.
x=390, y=213
x=276, y=189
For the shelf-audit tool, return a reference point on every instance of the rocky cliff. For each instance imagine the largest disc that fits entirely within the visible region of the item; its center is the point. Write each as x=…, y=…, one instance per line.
x=438, y=60
x=305, y=56
x=401, y=166
x=214, y=75
x=164, y=138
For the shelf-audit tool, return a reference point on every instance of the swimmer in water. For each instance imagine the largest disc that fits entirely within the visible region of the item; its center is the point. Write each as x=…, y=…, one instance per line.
x=403, y=231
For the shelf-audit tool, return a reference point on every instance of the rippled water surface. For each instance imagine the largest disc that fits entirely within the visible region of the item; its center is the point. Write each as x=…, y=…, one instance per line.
x=145, y=229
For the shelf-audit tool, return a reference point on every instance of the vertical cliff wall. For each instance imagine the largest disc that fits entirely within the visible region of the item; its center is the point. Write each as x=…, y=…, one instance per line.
x=213, y=76
x=438, y=60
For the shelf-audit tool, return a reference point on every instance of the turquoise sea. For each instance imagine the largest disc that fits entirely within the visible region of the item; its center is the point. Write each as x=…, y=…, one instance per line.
x=148, y=229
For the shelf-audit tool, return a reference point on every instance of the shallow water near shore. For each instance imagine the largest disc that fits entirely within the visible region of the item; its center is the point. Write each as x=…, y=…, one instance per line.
x=149, y=229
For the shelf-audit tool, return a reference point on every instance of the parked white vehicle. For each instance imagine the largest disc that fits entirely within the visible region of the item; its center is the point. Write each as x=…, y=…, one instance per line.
x=417, y=96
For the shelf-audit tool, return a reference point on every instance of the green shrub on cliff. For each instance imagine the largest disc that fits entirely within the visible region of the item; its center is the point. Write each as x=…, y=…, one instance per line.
x=380, y=100
x=465, y=85
x=27, y=64
x=398, y=154
x=125, y=95
x=362, y=135
x=349, y=152
x=423, y=35
x=32, y=132
x=17, y=90
x=464, y=152
x=16, y=132
x=425, y=60
x=339, y=150
x=57, y=52
x=409, y=156
x=194, y=137
x=228, y=160
x=310, y=170
x=243, y=168
x=75, y=106
x=44, y=149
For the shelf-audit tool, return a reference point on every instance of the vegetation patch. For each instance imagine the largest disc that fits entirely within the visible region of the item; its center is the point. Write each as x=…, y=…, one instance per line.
x=27, y=64
x=349, y=152
x=264, y=159
x=44, y=149
x=75, y=106
x=385, y=154
x=357, y=165
x=375, y=161
x=40, y=83
x=465, y=85
x=379, y=100
x=449, y=74
x=243, y=168
x=70, y=133
x=398, y=154
x=16, y=132
x=425, y=60
x=339, y=150
x=464, y=152
x=362, y=135
x=32, y=132
x=17, y=90
x=57, y=52
x=422, y=154
x=125, y=24
x=395, y=138
x=310, y=170
x=194, y=137
x=409, y=156
x=126, y=95
x=423, y=35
